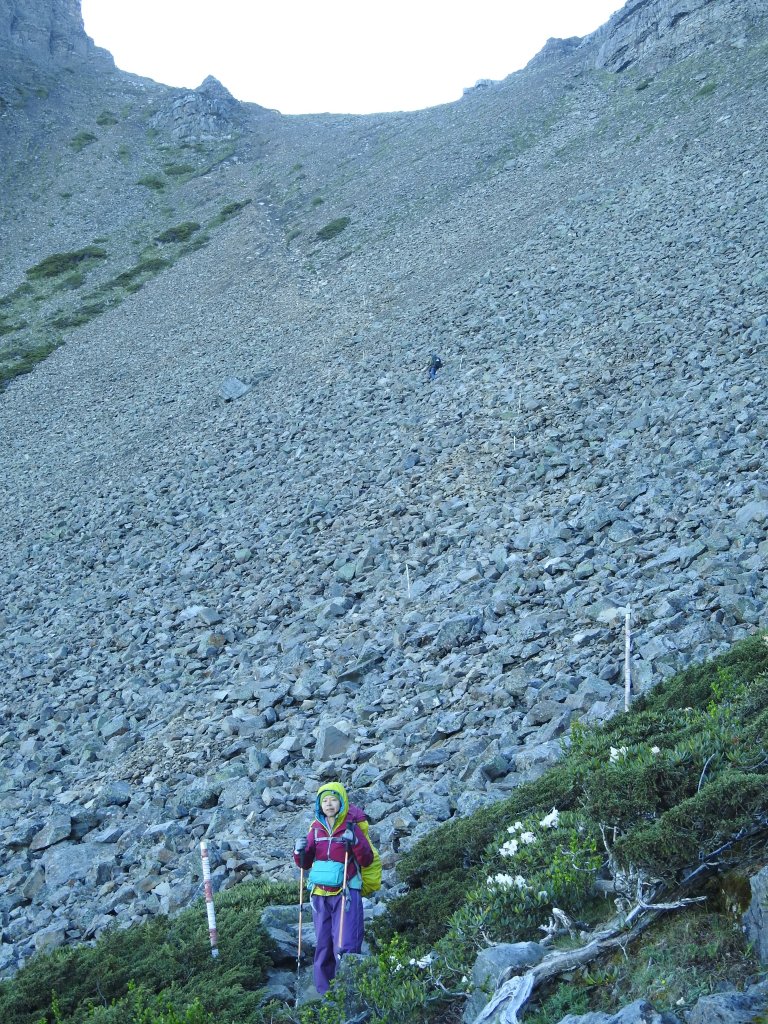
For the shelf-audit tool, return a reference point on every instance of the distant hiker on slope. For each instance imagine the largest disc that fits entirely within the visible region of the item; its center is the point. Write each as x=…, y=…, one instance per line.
x=435, y=364
x=335, y=851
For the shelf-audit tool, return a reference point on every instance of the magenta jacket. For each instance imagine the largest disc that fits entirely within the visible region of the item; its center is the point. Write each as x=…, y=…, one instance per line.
x=322, y=844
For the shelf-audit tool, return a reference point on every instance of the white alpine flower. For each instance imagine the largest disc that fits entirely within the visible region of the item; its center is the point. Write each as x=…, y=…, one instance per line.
x=551, y=820
x=527, y=838
x=617, y=754
x=502, y=881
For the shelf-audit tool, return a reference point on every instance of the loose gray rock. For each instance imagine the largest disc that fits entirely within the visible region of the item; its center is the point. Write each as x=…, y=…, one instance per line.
x=755, y=920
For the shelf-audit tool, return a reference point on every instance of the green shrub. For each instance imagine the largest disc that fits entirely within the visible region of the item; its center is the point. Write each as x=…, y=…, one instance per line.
x=64, y=262
x=228, y=211
x=176, y=170
x=153, y=181
x=170, y=958
x=6, y=327
x=397, y=985
x=333, y=228
x=20, y=292
x=720, y=811
x=106, y=118
x=83, y=315
x=179, y=233
x=197, y=243
x=566, y=999
x=707, y=89
x=144, y=269
x=81, y=140
x=17, y=363
x=71, y=282
x=317, y=201
x=532, y=865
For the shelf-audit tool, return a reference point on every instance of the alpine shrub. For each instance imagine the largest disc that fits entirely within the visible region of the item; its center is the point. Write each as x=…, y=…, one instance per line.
x=532, y=866
x=179, y=233
x=64, y=262
x=333, y=228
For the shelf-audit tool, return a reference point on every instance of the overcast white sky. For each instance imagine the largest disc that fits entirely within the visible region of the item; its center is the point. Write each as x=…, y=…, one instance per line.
x=310, y=56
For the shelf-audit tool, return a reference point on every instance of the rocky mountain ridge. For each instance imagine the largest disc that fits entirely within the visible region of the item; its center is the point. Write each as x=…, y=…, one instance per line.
x=212, y=604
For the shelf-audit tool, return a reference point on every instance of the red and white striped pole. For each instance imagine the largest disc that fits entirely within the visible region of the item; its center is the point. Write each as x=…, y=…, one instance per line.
x=214, y=935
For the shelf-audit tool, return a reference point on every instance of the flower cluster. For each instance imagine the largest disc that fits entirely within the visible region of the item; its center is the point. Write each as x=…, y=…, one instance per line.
x=620, y=753
x=526, y=837
x=552, y=820
x=423, y=961
x=508, y=881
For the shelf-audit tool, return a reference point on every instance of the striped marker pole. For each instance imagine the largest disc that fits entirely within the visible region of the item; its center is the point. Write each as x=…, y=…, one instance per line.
x=214, y=935
x=627, y=661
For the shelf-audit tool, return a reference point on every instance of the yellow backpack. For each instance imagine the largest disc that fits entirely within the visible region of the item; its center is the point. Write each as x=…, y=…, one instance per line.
x=371, y=875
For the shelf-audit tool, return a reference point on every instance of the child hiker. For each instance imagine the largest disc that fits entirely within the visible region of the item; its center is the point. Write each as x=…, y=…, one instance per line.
x=334, y=841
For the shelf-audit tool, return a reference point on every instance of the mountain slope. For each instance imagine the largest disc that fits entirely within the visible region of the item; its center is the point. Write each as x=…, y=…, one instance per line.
x=210, y=605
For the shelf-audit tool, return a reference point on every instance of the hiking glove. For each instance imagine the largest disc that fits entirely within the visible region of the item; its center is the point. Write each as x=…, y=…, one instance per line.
x=301, y=845
x=349, y=837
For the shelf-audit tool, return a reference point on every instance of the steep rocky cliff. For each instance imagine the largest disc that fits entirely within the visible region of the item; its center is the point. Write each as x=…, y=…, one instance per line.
x=47, y=32
x=653, y=32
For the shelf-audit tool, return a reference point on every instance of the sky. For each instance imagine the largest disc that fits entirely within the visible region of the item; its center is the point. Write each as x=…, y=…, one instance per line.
x=337, y=56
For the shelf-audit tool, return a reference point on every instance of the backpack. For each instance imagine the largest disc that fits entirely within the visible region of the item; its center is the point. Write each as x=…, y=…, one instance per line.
x=371, y=875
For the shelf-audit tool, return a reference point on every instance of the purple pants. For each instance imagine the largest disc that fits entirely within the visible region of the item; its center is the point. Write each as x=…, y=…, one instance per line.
x=326, y=915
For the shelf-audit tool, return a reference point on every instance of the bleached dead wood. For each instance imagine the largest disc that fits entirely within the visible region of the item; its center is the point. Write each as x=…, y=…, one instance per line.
x=515, y=991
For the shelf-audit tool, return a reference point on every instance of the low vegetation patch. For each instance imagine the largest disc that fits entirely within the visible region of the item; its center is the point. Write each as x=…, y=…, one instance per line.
x=81, y=140
x=179, y=170
x=65, y=262
x=82, y=315
x=16, y=362
x=160, y=972
x=179, y=233
x=106, y=118
x=333, y=228
x=228, y=211
x=153, y=181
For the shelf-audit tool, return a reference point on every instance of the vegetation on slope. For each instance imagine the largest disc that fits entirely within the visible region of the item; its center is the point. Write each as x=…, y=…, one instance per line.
x=29, y=333
x=161, y=972
x=668, y=799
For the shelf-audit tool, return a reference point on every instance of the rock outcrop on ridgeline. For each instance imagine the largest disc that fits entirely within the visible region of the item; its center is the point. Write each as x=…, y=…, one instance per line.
x=651, y=33
x=208, y=112
x=46, y=32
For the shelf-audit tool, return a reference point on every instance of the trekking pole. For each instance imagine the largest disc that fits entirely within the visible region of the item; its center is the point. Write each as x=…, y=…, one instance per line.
x=343, y=897
x=301, y=909
x=212, y=932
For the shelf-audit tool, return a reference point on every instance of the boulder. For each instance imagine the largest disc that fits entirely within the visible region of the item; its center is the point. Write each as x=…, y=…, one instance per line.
x=491, y=964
